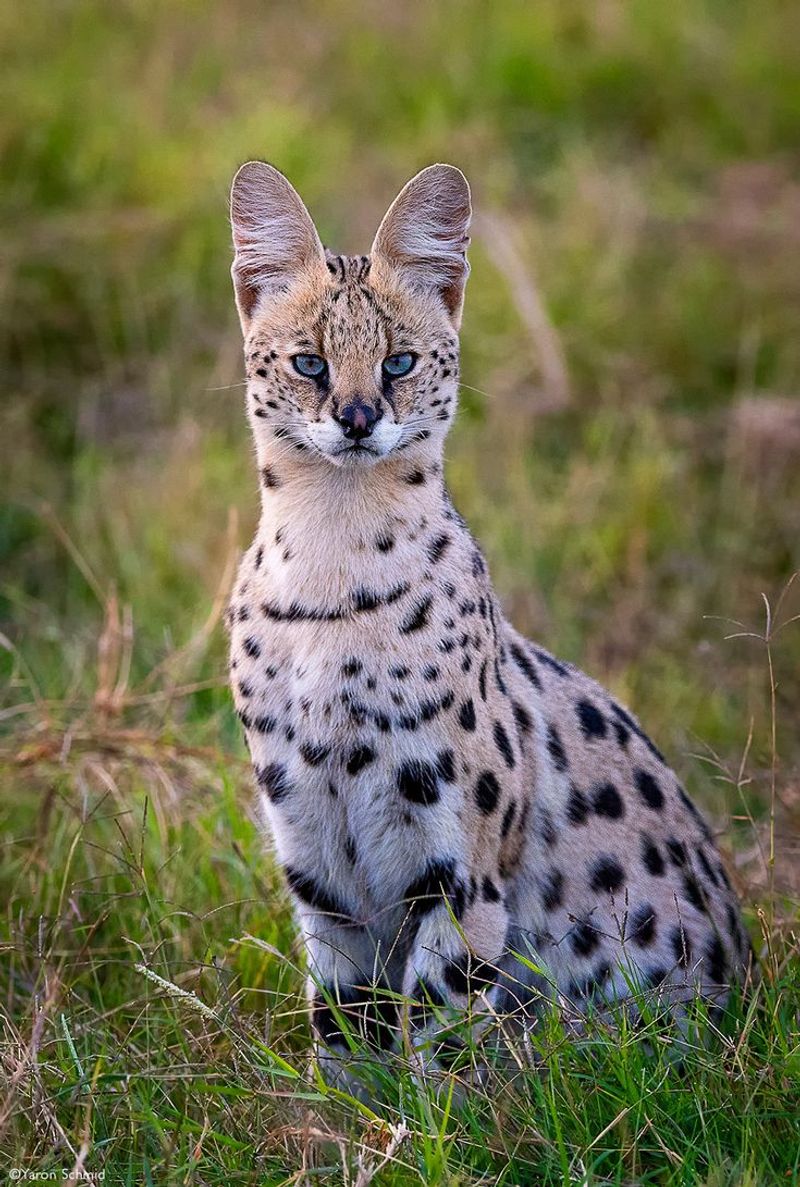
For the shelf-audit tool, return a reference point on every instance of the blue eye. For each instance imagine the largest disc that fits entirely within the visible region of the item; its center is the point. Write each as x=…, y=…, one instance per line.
x=310, y=365
x=397, y=365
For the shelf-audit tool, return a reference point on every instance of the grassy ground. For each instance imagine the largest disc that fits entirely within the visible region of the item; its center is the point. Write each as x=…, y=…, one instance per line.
x=628, y=452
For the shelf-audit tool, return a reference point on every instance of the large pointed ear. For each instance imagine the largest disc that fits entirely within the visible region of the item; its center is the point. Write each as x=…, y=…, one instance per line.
x=273, y=236
x=424, y=235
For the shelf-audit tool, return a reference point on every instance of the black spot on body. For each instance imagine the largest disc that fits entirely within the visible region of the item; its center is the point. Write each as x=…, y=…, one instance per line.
x=707, y=867
x=607, y=874
x=525, y=664
x=384, y=543
x=274, y=780
x=312, y=893
x=361, y=757
x=556, y=749
x=607, y=801
x=417, y=618
x=314, y=753
x=592, y=721
x=252, y=648
x=466, y=716
x=489, y=891
x=433, y=886
x=487, y=792
x=503, y=744
x=681, y=945
x=584, y=938
x=445, y=766
x=508, y=818
x=693, y=893
x=677, y=851
x=643, y=925
x=552, y=890
x=522, y=718
x=652, y=858
x=418, y=782
x=577, y=806
x=649, y=790
x=437, y=547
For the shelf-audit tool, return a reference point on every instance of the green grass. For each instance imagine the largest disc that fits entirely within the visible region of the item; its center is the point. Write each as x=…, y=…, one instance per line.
x=642, y=158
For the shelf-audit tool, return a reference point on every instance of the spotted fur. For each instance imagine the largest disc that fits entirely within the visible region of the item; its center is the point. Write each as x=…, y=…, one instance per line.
x=441, y=793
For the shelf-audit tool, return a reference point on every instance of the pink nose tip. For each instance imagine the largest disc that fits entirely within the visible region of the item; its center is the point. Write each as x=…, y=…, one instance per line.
x=358, y=419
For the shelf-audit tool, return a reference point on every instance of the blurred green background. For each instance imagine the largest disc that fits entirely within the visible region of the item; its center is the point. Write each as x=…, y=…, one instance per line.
x=629, y=443
x=627, y=452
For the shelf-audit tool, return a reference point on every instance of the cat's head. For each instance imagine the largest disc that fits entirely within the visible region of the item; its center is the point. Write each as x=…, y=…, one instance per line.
x=351, y=359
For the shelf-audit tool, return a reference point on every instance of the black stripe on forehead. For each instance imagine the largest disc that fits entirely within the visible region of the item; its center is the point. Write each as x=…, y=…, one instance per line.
x=353, y=318
x=347, y=269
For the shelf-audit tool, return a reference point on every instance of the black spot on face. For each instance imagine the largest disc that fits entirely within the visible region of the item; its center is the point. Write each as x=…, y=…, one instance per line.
x=418, y=782
x=607, y=874
x=649, y=790
x=415, y=478
x=466, y=716
x=592, y=721
x=487, y=792
x=607, y=801
x=384, y=542
x=361, y=757
x=269, y=478
x=643, y=925
x=489, y=891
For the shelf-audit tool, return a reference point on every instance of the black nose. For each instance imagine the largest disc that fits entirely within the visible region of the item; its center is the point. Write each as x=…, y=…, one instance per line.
x=358, y=419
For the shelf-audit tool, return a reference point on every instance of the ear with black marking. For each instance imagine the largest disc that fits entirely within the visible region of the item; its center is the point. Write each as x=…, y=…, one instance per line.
x=273, y=236
x=424, y=235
